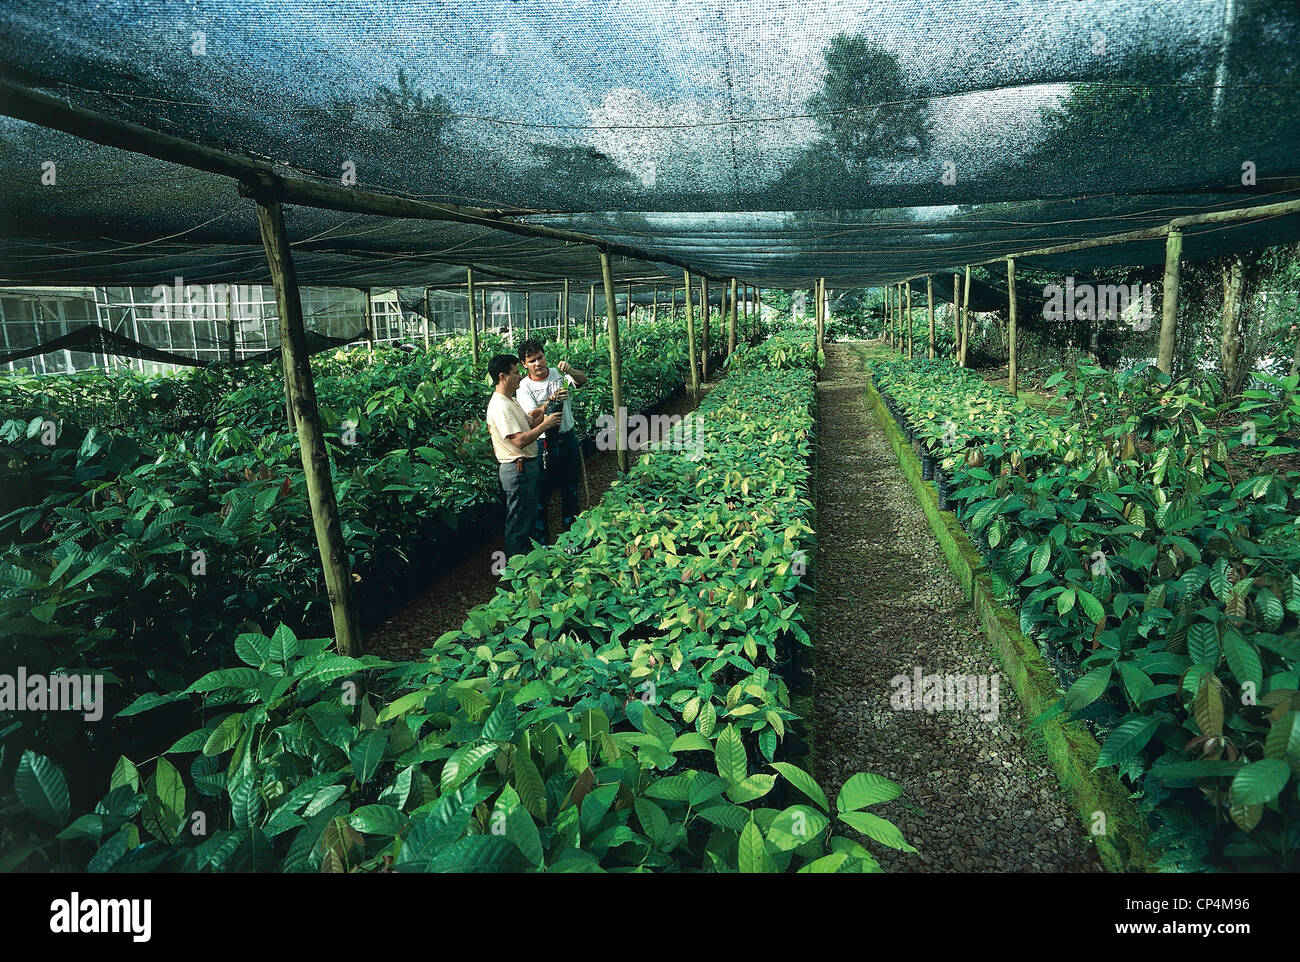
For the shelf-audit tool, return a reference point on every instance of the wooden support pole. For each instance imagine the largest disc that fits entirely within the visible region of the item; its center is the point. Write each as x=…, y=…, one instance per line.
x=428, y=318
x=654, y=308
x=956, y=319
x=1169, y=301
x=528, y=313
x=965, y=311
x=591, y=303
x=694, y=379
x=909, y=320
x=473, y=326
x=704, y=329
x=731, y=332
x=629, y=307
x=370, y=324
x=821, y=314
x=230, y=325
x=1012, y=377
x=615, y=368
x=564, y=311
x=311, y=440
x=929, y=300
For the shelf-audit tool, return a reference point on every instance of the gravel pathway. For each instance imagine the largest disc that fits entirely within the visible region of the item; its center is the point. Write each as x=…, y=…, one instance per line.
x=978, y=795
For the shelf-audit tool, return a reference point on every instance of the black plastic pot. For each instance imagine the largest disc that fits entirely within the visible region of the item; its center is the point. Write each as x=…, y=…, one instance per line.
x=944, y=485
x=927, y=467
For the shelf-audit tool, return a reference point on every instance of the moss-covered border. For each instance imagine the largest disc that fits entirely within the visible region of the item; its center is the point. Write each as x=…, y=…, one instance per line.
x=1072, y=751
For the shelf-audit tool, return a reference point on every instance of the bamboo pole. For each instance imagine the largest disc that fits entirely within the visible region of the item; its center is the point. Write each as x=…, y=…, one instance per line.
x=654, y=308
x=909, y=320
x=564, y=311
x=230, y=324
x=428, y=318
x=591, y=302
x=528, y=313
x=929, y=300
x=473, y=326
x=311, y=442
x=704, y=328
x=965, y=312
x=731, y=332
x=615, y=369
x=690, y=341
x=1013, y=381
x=956, y=323
x=1169, y=301
x=370, y=325
x=821, y=314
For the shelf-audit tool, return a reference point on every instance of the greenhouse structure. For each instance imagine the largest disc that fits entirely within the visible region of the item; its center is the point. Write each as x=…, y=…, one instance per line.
x=754, y=436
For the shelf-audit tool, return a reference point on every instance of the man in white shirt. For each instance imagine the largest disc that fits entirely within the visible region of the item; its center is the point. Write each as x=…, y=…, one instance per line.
x=561, y=455
x=514, y=441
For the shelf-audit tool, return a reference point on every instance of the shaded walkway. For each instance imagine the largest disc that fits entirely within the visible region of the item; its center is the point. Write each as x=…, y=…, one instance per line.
x=978, y=795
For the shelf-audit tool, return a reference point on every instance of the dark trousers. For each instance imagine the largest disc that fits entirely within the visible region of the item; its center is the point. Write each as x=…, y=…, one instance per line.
x=520, y=488
x=563, y=470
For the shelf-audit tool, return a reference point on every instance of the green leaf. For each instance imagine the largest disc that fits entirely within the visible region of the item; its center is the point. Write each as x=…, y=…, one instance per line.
x=377, y=820
x=748, y=789
x=367, y=753
x=253, y=649
x=1283, y=740
x=225, y=735
x=464, y=762
x=1041, y=557
x=1088, y=688
x=1065, y=601
x=691, y=742
x=528, y=783
x=801, y=780
x=245, y=679
x=1126, y=741
x=729, y=752
x=750, y=850
x=1260, y=782
x=124, y=773
x=1243, y=659
x=1092, y=607
x=42, y=789
x=1203, y=643
x=500, y=726
x=863, y=789
x=797, y=825
x=653, y=820
x=873, y=826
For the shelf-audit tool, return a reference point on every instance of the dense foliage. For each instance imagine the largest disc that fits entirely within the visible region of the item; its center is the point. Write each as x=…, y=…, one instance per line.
x=140, y=553
x=614, y=707
x=1152, y=542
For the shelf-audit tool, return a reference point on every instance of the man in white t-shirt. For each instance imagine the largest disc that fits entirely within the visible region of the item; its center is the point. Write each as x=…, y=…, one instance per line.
x=561, y=455
x=514, y=441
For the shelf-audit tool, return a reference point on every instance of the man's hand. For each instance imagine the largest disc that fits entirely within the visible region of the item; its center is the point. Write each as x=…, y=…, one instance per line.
x=563, y=367
x=551, y=421
x=559, y=397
